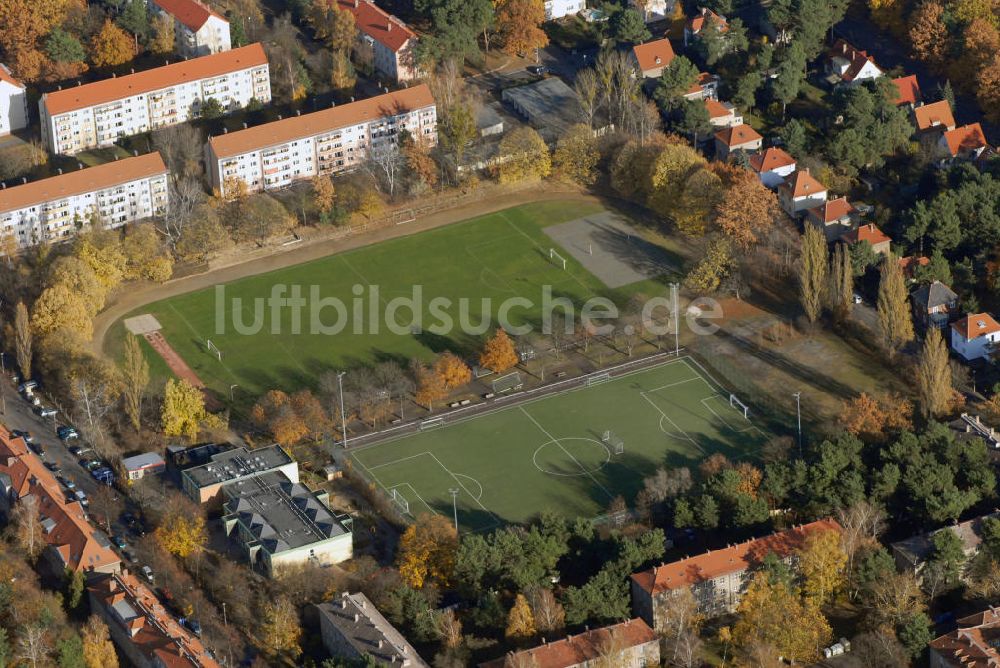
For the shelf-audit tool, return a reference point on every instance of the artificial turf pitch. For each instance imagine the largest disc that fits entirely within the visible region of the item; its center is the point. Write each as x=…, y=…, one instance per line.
x=512, y=463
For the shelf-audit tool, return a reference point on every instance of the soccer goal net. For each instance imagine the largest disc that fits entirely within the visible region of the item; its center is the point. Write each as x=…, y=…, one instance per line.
x=431, y=423
x=400, y=501
x=213, y=349
x=555, y=256
x=598, y=378
x=734, y=402
x=512, y=381
x=614, y=442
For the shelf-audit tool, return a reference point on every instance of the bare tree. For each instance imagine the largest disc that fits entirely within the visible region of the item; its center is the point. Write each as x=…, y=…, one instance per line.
x=588, y=89
x=616, y=75
x=396, y=381
x=186, y=196
x=27, y=526
x=33, y=644
x=383, y=164
x=23, y=339
x=679, y=626
x=863, y=523
x=547, y=611
x=135, y=379
x=181, y=148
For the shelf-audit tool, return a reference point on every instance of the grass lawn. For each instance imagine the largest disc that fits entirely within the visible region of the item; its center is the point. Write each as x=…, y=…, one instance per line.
x=549, y=453
x=498, y=256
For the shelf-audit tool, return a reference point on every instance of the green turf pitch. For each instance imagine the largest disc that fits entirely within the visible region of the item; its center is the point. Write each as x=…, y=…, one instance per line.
x=497, y=256
x=510, y=464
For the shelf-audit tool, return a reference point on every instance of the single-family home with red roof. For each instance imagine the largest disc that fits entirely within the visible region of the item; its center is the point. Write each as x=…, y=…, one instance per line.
x=704, y=18
x=934, y=117
x=850, y=65
x=974, y=336
x=964, y=143
x=737, y=138
x=652, y=57
x=878, y=239
x=722, y=114
x=772, y=165
x=630, y=644
x=907, y=91
x=833, y=217
x=389, y=41
x=800, y=192
x=705, y=86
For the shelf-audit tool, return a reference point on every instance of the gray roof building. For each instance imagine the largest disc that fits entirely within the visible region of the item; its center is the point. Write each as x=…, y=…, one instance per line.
x=143, y=464
x=353, y=628
x=279, y=522
x=912, y=553
x=204, y=483
x=934, y=304
x=549, y=105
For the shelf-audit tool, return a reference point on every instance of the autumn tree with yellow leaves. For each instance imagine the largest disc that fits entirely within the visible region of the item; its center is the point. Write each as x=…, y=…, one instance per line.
x=519, y=24
x=280, y=631
x=427, y=551
x=182, y=530
x=765, y=611
x=520, y=621
x=498, y=354
x=98, y=650
x=452, y=371
x=111, y=46
x=822, y=563
x=183, y=409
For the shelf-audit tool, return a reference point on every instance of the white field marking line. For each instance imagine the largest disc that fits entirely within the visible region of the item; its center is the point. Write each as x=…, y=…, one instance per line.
x=197, y=335
x=676, y=426
x=534, y=460
x=417, y=494
x=478, y=484
x=397, y=461
x=535, y=244
x=669, y=433
x=500, y=409
x=716, y=413
x=568, y=453
x=680, y=382
x=448, y=471
x=350, y=266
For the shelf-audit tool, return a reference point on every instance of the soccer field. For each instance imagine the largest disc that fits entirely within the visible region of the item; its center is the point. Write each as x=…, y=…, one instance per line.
x=552, y=453
x=495, y=257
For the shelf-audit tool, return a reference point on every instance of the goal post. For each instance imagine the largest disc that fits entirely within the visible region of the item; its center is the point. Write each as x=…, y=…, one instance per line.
x=613, y=442
x=735, y=403
x=554, y=255
x=598, y=378
x=213, y=349
x=508, y=382
x=400, y=501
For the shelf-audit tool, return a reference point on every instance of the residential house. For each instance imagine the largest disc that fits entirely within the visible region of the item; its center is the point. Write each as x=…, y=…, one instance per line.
x=652, y=57
x=702, y=19
x=386, y=42
x=800, y=192
x=654, y=10
x=737, y=138
x=907, y=91
x=141, y=627
x=556, y=9
x=772, y=165
x=964, y=143
x=276, y=154
x=139, y=466
x=98, y=114
x=878, y=239
x=13, y=103
x=834, y=217
x=913, y=553
x=974, y=336
x=629, y=644
x=717, y=578
x=353, y=628
x=722, y=114
x=974, y=644
x=705, y=86
x=71, y=541
x=198, y=29
x=911, y=263
x=53, y=209
x=849, y=65
x=934, y=117
x=934, y=305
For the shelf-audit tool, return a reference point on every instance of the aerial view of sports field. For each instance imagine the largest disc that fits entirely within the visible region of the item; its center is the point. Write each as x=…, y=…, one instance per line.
x=577, y=248
x=570, y=452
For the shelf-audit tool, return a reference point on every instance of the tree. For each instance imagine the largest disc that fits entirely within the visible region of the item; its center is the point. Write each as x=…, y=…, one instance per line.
x=162, y=29
x=764, y=613
x=841, y=290
x=417, y=156
x=324, y=195
x=708, y=274
x=133, y=18
x=929, y=33
x=456, y=129
x=628, y=27
x=676, y=80
x=747, y=210
x=812, y=272
x=70, y=649
x=182, y=531
x=988, y=88
x=60, y=308
x=527, y=156
x=23, y=339
x=145, y=255
x=183, y=409
x=934, y=389
x=871, y=417
x=211, y=109
x=27, y=526
x=498, y=354
x=427, y=550
x=452, y=371
x=821, y=562
x=520, y=622
x=588, y=90
x=790, y=75
x=894, y=319
x=33, y=643
x=430, y=386
x=576, y=155
x=63, y=47
x=694, y=120
x=280, y=631
x=915, y=633
x=546, y=611
x=98, y=650
x=75, y=588
x=275, y=413
x=111, y=46
x=519, y=24
x=457, y=24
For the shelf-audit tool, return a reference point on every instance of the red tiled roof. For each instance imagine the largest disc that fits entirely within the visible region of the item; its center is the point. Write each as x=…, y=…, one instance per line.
x=652, y=55
x=159, y=634
x=770, y=160
x=856, y=57
x=831, y=210
x=191, y=13
x=377, y=24
x=966, y=138
x=579, y=649
x=936, y=114
x=307, y=125
x=5, y=75
x=697, y=22
x=975, y=325
x=716, y=109
x=909, y=263
x=733, y=559
x=107, y=90
x=974, y=644
x=801, y=183
x=81, y=181
x=737, y=136
x=700, y=83
x=908, y=90
x=869, y=233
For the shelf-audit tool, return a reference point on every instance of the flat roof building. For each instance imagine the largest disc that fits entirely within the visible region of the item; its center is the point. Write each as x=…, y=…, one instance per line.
x=204, y=483
x=282, y=523
x=139, y=466
x=549, y=105
x=352, y=628
x=53, y=209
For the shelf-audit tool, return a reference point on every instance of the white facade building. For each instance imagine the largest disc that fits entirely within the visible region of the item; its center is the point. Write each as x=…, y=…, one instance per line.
x=13, y=103
x=98, y=114
x=654, y=10
x=51, y=209
x=974, y=336
x=556, y=9
x=385, y=40
x=198, y=30
x=273, y=155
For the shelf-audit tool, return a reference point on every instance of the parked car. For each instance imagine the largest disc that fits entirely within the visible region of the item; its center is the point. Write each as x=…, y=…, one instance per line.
x=37, y=449
x=119, y=542
x=52, y=466
x=538, y=69
x=46, y=412
x=103, y=474
x=27, y=385
x=66, y=433
x=91, y=464
x=192, y=625
x=67, y=483
x=26, y=435
x=81, y=496
x=147, y=573
x=75, y=450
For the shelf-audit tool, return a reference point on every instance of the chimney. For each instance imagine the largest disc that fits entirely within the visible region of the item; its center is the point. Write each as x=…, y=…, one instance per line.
x=658, y=60
x=24, y=180
x=60, y=171
x=388, y=25
x=298, y=112
x=135, y=153
x=244, y=125
x=280, y=117
x=225, y=131
x=333, y=104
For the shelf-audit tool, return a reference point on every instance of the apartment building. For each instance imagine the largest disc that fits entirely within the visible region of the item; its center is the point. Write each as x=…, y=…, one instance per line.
x=13, y=103
x=273, y=155
x=98, y=114
x=352, y=628
x=974, y=644
x=386, y=41
x=198, y=29
x=718, y=578
x=629, y=644
x=52, y=209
